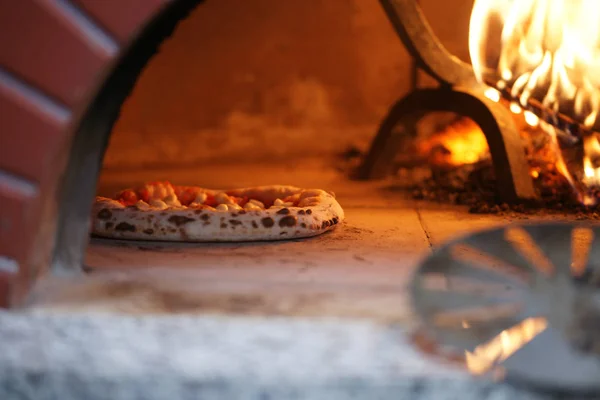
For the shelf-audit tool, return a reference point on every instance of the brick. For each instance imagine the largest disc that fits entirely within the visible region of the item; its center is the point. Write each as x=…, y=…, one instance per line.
x=47, y=45
x=121, y=18
x=17, y=211
x=5, y=281
x=32, y=132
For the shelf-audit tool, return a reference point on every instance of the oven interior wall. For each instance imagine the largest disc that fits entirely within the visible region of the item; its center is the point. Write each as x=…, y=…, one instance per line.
x=247, y=81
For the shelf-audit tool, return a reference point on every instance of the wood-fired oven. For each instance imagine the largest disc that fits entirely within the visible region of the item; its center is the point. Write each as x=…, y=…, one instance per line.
x=100, y=95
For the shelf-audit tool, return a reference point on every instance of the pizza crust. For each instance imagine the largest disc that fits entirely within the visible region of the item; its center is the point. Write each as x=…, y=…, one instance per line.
x=317, y=212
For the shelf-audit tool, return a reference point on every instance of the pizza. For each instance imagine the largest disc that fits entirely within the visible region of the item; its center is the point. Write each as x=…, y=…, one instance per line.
x=166, y=212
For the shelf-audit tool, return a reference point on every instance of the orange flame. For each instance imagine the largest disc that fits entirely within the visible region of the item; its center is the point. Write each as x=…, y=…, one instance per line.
x=591, y=169
x=542, y=50
x=462, y=142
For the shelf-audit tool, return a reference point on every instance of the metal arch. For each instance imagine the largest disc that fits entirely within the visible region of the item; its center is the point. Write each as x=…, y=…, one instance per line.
x=417, y=36
x=506, y=148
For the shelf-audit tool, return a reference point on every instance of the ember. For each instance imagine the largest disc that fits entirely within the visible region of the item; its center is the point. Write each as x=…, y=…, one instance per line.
x=474, y=184
x=460, y=143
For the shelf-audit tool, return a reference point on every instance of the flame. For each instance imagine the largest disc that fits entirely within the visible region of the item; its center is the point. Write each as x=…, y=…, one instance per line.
x=545, y=51
x=544, y=55
x=591, y=169
x=488, y=355
x=531, y=118
x=462, y=142
x=492, y=94
x=515, y=108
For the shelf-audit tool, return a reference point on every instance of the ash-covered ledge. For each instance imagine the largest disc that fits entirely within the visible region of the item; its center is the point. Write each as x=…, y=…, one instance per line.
x=98, y=356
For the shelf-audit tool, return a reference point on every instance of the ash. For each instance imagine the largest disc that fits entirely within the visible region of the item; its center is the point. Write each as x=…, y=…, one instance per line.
x=474, y=185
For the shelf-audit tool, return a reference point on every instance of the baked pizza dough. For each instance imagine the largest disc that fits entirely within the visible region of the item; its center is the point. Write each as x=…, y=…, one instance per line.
x=164, y=212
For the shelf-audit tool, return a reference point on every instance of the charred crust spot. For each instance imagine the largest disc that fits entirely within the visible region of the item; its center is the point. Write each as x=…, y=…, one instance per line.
x=267, y=222
x=104, y=214
x=284, y=211
x=283, y=233
x=308, y=212
x=242, y=212
x=204, y=217
x=233, y=215
x=148, y=231
x=325, y=224
x=125, y=227
x=183, y=233
x=235, y=222
x=223, y=225
x=197, y=211
x=163, y=213
x=179, y=220
x=108, y=225
x=151, y=216
x=254, y=224
x=335, y=220
x=303, y=225
x=301, y=212
x=206, y=223
x=288, y=220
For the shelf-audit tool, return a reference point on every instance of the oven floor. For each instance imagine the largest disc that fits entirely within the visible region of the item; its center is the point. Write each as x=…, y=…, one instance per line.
x=360, y=270
x=321, y=318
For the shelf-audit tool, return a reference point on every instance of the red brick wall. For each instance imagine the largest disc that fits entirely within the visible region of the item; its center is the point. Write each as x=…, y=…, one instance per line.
x=267, y=78
x=51, y=63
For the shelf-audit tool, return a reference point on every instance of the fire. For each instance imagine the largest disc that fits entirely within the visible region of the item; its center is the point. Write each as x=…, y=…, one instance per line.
x=460, y=143
x=486, y=356
x=591, y=159
x=544, y=55
x=545, y=51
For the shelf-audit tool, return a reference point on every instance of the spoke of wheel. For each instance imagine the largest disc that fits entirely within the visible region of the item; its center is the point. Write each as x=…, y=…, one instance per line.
x=554, y=241
x=494, y=244
x=474, y=335
x=448, y=300
x=444, y=262
x=489, y=354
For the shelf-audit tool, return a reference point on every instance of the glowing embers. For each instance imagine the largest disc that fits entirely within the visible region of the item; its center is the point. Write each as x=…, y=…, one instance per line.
x=502, y=293
x=459, y=143
x=544, y=53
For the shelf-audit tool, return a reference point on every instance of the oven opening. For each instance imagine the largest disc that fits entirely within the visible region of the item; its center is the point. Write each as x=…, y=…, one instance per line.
x=264, y=100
